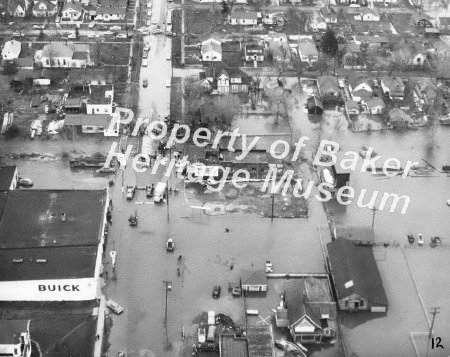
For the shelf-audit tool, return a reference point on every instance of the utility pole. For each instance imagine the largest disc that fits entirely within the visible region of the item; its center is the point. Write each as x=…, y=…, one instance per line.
x=434, y=311
x=374, y=209
x=168, y=217
x=168, y=286
x=273, y=201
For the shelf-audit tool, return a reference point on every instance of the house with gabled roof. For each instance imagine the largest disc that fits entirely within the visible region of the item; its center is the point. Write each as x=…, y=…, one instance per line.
x=375, y=105
x=72, y=12
x=244, y=18
x=355, y=277
x=393, y=87
x=254, y=52
x=44, y=8
x=105, y=13
x=328, y=14
x=59, y=54
x=328, y=89
x=17, y=8
x=360, y=87
x=211, y=49
x=311, y=309
x=426, y=91
x=11, y=50
x=370, y=14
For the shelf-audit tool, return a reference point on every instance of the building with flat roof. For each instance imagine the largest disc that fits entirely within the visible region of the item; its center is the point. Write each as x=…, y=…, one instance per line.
x=51, y=244
x=233, y=346
x=15, y=338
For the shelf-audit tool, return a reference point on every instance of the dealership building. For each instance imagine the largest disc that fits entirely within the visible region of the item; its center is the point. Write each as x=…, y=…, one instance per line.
x=51, y=244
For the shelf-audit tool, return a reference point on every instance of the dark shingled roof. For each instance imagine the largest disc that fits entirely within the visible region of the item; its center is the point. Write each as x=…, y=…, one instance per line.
x=232, y=346
x=350, y=262
x=260, y=342
x=6, y=177
x=254, y=277
x=32, y=218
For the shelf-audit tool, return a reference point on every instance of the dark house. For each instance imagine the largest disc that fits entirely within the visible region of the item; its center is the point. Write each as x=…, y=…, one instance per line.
x=314, y=105
x=355, y=276
x=311, y=310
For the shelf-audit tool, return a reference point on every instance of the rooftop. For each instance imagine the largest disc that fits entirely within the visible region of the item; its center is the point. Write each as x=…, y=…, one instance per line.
x=355, y=271
x=254, y=277
x=232, y=346
x=260, y=342
x=10, y=331
x=6, y=177
x=88, y=119
x=46, y=263
x=32, y=218
x=244, y=15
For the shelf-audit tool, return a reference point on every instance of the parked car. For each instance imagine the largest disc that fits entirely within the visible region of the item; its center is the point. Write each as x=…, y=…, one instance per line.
x=91, y=25
x=216, y=292
x=211, y=318
x=145, y=62
x=170, y=245
x=102, y=27
x=149, y=190
x=211, y=333
x=16, y=34
x=108, y=33
x=91, y=35
x=131, y=190
x=121, y=36
x=201, y=335
x=145, y=83
x=168, y=83
x=25, y=182
x=72, y=36
x=149, y=5
x=168, y=56
x=114, y=306
x=115, y=28
x=207, y=347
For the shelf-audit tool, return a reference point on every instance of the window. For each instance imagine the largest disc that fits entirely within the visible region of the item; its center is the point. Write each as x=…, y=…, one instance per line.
x=346, y=303
x=97, y=109
x=361, y=303
x=64, y=62
x=235, y=87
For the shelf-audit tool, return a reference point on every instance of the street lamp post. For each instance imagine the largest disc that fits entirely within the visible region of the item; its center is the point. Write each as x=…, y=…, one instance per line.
x=374, y=209
x=273, y=202
x=168, y=286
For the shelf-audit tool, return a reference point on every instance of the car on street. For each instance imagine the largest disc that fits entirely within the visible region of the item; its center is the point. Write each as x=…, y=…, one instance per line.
x=91, y=25
x=72, y=36
x=216, y=292
x=115, y=28
x=131, y=190
x=201, y=335
x=149, y=13
x=108, y=33
x=102, y=27
x=92, y=35
x=16, y=34
x=149, y=5
x=121, y=36
x=25, y=182
x=149, y=190
x=145, y=83
x=145, y=62
x=157, y=31
x=168, y=83
x=114, y=306
x=168, y=56
x=211, y=318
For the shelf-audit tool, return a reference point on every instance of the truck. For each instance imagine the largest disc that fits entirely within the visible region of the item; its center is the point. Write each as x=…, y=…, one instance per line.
x=156, y=14
x=160, y=191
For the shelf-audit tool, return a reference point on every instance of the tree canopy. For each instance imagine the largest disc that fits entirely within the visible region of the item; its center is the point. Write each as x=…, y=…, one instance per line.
x=330, y=43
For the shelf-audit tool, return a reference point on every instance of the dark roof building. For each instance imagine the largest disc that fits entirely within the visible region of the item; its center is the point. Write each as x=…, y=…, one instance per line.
x=51, y=244
x=8, y=178
x=260, y=341
x=232, y=346
x=356, y=278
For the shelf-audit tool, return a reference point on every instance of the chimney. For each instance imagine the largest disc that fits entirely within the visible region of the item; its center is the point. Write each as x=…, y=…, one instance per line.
x=63, y=217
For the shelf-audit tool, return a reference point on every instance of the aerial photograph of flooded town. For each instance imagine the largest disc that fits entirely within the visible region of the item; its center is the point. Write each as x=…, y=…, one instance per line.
x=233, y=178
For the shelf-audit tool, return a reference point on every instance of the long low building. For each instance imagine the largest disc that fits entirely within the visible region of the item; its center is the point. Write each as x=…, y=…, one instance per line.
x=51, y=244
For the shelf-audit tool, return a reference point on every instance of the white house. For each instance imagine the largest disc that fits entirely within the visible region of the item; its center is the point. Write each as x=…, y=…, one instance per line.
x=60, y=55
x=44, y=8
x=317, y=22
x=15, y=338
x=110, y=14
x=307, y=50
x=11, y=50
x=370, y=14
x=101, y=99
x=375, y=105
x=249, y=18
x=254, y=52
x=72, y=12
x=223, y=82
x=211, y=49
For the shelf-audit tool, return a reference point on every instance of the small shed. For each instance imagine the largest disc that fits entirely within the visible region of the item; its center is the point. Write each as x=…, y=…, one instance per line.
x=254, y=281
